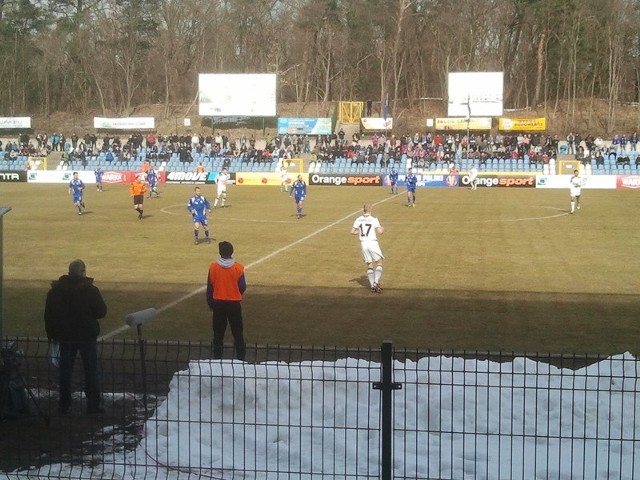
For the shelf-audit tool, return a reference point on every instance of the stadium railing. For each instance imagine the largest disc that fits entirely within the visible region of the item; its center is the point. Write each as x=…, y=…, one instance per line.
x=171, y=413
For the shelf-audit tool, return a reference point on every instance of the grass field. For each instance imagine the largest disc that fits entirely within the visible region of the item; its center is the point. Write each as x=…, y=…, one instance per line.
x=494, y=269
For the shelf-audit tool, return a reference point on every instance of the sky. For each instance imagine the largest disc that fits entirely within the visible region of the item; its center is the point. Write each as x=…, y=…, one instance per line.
x=453, y=418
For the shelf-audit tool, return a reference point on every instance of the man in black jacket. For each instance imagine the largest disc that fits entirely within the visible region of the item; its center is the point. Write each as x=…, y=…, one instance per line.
x=74, y=306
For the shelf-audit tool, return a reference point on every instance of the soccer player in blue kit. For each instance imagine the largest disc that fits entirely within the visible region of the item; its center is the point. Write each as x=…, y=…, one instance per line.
x=76, y=190
x=411, y=180
x=393, y=180
x=152, y=180
x=299, y=192
x=98, y=173
x=199, y=206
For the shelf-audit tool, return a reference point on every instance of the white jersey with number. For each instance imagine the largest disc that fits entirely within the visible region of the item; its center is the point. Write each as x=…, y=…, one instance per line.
x=575, y=185
x=222, y=180
x=366, y=226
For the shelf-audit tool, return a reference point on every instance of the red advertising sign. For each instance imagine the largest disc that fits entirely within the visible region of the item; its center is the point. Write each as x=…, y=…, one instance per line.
x=113, y=176
x=628, y=181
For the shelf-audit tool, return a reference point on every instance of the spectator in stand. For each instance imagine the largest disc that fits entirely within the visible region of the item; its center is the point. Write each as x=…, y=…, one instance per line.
x=623, y=160
x=623, y=143
x=571, y=139
x=55, y=142
x=615, y=143
x=599, y=157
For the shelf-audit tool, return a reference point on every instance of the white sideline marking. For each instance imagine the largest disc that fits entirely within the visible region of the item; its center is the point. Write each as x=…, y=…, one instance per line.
x=198, y=290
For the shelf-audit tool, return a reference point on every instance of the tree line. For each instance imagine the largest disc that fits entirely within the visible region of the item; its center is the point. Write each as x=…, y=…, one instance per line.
x=113, y=55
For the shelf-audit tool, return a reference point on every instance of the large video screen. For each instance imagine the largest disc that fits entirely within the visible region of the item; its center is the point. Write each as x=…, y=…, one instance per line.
x=223, y=94
x=475, y=94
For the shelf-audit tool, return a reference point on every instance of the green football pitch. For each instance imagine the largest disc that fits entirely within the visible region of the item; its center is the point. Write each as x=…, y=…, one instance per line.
x=494, y=269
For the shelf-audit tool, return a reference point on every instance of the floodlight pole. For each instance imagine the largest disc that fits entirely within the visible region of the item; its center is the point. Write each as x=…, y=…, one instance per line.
x=3, y=211
x=468, y=124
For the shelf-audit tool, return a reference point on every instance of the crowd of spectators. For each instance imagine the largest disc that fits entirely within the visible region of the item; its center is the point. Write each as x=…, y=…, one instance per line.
x=423, y=149
x=622, y=149
x=429, y=148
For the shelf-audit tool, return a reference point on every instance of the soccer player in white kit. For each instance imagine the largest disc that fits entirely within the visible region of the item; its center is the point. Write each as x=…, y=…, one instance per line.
x=473, y=178
x=283, y=179
x=221, y=181
x=368, y=227
x=575, y=187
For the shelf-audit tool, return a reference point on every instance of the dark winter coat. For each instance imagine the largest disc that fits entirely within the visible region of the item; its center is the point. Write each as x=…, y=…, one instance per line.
x=74, y=306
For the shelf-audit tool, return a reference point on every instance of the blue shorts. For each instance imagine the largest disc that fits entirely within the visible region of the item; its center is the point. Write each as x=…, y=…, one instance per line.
x=202, y=220
x=299, y=199
x=77, y=197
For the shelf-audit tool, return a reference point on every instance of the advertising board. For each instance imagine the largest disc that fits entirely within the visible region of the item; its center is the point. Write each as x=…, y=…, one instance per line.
x=377, y=123
x=130, y=123
x=628, y=181
x=10, y=123
x=482, y=123
x=522, y=124
x=501, y=181
x=262, y=178
x=606, y=182
x=473, y=94
x=308, y=126
x=428, y=180
x=246, y=94
x=11, y=176
x=340, y=180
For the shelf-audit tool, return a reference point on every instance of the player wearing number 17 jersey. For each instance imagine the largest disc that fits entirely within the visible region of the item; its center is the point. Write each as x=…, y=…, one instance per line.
x=368, y=227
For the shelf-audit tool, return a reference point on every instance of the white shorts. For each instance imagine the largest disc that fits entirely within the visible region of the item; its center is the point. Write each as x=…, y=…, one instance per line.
x=222, y=189
x=371, y=252
x=575, y=191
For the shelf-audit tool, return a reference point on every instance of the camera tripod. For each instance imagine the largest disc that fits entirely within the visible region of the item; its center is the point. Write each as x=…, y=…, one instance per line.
x=14, y=390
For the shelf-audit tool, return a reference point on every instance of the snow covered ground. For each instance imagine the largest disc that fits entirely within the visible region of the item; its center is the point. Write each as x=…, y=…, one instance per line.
x=453, y=419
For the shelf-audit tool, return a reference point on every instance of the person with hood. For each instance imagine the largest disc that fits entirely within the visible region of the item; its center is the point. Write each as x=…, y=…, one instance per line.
x=225, y=285
x=72, y=310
